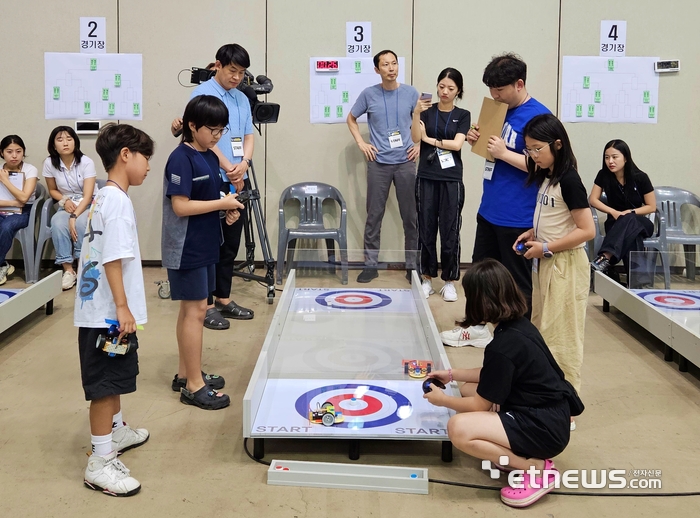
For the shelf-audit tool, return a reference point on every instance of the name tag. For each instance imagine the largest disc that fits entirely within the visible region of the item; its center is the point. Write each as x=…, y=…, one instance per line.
x=201, y=178
x=237, y=146
x=488, y=169
x=535, y=264
x=446, y=158
x=395, y=139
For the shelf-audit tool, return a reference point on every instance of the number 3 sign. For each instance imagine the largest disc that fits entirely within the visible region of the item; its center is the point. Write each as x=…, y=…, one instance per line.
x=613, y=38
x=93, y=35
x=358, y=39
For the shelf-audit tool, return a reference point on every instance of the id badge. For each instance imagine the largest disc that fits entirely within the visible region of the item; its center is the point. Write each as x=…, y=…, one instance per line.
x=446, y=158
x=488, y=169
x=395, y=139
x=237, y=146
x=535, y=264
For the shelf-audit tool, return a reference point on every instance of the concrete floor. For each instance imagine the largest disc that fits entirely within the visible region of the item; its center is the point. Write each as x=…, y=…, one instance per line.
x=641, y=414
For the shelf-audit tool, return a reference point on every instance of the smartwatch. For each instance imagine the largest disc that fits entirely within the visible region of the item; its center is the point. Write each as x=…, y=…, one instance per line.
x=545, y=251
x=633, y=211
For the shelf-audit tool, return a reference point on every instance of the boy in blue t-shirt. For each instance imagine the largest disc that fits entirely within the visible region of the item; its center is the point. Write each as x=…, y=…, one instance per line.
x=190, y=241
x=111, y=287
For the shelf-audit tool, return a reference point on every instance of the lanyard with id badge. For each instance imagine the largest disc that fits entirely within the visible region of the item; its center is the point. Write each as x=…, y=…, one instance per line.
x=444, y=155
x=237, y=146
x=395, y=140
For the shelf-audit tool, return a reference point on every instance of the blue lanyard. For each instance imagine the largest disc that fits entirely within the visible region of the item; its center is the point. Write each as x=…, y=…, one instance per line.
x=386, y=110
x=238, y=110
x=437, y=116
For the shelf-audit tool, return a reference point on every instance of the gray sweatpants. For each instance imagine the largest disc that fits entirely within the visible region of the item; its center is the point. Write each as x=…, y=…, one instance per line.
x=379, y=179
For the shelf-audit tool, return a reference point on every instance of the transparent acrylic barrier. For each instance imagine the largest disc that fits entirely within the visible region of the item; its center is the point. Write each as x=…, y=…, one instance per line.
x=349, y=344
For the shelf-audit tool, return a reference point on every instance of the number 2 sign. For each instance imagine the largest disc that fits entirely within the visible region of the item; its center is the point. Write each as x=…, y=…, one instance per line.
x=93, y=34
x=613, y=37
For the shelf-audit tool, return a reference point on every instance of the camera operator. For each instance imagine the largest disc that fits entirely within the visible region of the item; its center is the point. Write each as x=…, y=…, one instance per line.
x=234, y=151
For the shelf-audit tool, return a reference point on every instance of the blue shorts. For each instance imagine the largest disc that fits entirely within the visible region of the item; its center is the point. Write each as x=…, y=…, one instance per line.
x=192, y=284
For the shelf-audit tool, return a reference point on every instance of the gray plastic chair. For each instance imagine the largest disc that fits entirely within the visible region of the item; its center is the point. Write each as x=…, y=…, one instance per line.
x=26, y=236
x=311, y=196
x=47, y=211
x=669, y=230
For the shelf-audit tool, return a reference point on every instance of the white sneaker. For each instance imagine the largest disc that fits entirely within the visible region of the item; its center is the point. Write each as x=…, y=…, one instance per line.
x=3, y=274
x=427, y=286
x=572, y=426
x=126, y=438
x=68, y=280
x=109, y=475
x=448, y=292
x=476, y=336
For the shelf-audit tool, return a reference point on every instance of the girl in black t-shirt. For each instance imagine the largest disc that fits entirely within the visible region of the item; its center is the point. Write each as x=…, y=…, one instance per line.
x=629, y=198
x=442, y=127
x=517, y=404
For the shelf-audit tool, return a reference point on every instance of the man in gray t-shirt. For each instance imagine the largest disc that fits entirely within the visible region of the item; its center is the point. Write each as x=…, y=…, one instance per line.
x=390, y=157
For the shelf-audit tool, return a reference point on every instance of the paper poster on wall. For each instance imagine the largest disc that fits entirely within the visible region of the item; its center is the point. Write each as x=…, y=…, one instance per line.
x=93, y=87
x=335, y=84
x=601, y=89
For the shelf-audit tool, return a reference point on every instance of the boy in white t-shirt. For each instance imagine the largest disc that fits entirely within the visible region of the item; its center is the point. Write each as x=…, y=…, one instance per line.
x=110, y=287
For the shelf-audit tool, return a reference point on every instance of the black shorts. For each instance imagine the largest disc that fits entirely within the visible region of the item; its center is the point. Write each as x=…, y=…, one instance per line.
x=192, y=284
x=539, y=433
x=103, y=375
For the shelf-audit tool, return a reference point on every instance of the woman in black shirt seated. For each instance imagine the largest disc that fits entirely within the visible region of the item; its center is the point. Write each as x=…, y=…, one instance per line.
x=518, y=404
x=630, y=197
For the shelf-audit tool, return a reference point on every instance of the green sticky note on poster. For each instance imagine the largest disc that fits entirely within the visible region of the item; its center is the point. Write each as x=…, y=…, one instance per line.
x=334, y=83
x=339, y=111
x=586, y=81
x=56, y=93
x=117, y=80
x=326, y=111
x=105, y=94
x=110, y=109
x=86, y=107
x=597, y=96
x=579, y=110
x=358, y=67
x=652, y=112
x=611, y=65
x=346, y=97
x=93, y=64
x=591, y=110
x=647, y=96
x=137, y=109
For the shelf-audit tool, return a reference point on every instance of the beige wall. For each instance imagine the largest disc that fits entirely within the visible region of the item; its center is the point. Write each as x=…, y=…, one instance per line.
x=281, y=35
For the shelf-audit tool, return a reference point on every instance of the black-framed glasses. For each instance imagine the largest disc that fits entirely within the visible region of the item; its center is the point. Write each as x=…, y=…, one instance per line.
x=216, y=133
x=535, y=152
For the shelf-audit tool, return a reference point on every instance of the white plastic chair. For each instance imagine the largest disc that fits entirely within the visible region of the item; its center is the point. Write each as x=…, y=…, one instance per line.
x=26, y=236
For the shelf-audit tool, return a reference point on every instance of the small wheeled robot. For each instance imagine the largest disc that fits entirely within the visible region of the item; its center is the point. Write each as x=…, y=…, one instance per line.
x=110, y=343
x=163, y=289
x=325, y=414
x=417, y=368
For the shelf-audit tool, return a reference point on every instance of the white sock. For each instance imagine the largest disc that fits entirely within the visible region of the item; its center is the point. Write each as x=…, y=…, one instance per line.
x=101, y=444
x=117, y=421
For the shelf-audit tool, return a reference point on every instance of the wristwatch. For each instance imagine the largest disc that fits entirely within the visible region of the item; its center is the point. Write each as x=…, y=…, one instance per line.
x=546, y=252
x=73, y=216
x=247, y=160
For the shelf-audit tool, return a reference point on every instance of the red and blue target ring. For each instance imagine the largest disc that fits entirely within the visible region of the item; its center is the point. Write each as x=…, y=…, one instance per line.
x=353, y=299
x=682, y=301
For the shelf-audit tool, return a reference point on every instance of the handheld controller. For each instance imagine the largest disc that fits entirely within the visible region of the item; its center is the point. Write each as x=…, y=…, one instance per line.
x=426, y=384
x=521, y=248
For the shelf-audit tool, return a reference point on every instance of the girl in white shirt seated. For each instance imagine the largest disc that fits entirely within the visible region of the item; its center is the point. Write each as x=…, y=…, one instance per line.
x=70, y=177
x=14, y=212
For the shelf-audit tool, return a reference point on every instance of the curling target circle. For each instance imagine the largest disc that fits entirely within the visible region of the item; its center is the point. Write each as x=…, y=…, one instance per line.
x=672, y=300
x=351, y=356
x=7, y=293
x=353, y=299
x=375, y=406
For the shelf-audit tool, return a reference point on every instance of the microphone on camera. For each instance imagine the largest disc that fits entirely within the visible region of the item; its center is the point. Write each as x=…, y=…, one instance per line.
x=264, y=85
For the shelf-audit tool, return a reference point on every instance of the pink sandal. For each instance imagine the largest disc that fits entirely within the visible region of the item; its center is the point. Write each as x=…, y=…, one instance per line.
x=528, y=495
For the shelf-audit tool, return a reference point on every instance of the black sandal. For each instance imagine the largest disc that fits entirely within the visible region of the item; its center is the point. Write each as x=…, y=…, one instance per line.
x=234, y=311
x=214, y=320
x=205, y=398
x=212, y=381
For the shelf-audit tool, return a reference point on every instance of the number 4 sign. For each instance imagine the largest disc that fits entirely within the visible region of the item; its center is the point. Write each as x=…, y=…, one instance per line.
x=93, y=35
x=613, y=37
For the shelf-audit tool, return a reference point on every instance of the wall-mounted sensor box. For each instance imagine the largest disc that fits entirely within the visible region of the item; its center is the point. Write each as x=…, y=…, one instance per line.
x=669, y=65
x=87, y=127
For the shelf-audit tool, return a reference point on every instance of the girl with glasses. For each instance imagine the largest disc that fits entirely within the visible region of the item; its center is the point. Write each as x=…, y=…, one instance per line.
x=629, y=199
x=562, y=224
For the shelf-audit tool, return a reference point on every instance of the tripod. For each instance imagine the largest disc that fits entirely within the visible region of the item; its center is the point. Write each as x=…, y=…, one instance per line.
x=256, y=216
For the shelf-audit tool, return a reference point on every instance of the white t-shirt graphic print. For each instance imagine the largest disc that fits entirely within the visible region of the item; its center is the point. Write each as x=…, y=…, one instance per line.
x=110, y=235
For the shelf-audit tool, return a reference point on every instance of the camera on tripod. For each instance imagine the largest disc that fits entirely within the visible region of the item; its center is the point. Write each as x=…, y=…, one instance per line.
x=263, y=113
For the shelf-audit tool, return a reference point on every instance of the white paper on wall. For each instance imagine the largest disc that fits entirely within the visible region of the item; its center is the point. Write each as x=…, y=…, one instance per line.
x=603, y=89
x=93, y=87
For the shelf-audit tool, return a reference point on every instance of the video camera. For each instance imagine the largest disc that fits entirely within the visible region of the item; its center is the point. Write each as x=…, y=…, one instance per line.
x=263, y=113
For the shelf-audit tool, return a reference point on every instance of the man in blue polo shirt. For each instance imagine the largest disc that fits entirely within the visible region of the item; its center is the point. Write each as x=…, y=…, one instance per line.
x=390, y=157
x=234, y=151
